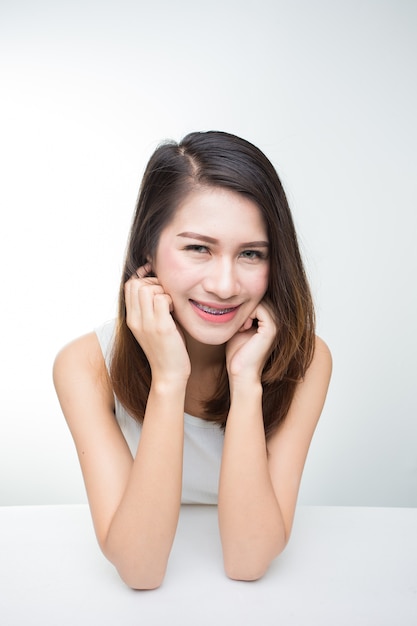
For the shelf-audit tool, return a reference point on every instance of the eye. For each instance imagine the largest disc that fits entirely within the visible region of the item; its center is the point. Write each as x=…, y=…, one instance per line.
x=196, y=247
x=253, y=255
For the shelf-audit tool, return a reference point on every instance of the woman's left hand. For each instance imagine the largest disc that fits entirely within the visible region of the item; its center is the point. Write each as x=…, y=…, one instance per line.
x=247, y=351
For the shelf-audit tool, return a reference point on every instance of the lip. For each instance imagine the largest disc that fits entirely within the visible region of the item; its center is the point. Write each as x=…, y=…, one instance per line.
x=214, y=313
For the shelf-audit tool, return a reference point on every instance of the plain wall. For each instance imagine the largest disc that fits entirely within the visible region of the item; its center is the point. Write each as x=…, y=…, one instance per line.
x=325, y=88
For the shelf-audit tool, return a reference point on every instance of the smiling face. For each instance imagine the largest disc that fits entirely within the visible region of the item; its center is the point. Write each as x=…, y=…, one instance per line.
x=212, y=259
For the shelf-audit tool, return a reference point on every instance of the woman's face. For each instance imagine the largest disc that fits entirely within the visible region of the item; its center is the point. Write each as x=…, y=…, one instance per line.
x=212, y=259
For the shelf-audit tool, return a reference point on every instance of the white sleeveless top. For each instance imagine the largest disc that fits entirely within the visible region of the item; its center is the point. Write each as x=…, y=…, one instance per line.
x=203, y=440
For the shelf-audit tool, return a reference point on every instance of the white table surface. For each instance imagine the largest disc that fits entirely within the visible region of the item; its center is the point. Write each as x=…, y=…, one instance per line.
x=343, y=566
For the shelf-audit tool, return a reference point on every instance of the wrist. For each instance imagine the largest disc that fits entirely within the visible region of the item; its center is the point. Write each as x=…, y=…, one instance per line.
x=245, y=387
x=169, y=386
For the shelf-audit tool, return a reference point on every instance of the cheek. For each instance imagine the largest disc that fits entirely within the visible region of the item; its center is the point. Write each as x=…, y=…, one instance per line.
x=167, y=259
x=169, y=267
x=260, y=284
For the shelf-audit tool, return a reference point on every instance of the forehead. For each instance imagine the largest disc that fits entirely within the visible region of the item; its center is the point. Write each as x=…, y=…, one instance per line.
x=218, y=211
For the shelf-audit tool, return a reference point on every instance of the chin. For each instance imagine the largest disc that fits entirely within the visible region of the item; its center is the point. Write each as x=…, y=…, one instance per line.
x=209, y=339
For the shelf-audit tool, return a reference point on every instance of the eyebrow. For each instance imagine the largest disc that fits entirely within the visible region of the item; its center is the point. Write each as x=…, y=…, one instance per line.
x=212, y=240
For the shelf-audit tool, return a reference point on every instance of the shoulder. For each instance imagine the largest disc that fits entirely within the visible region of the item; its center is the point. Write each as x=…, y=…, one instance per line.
x=310, y=395
x=82, y=352
x=312, y=390
x=322, y=359
x=79, y=368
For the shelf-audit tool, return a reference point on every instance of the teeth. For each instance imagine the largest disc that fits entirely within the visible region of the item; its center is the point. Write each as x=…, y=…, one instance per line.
x=208, y=309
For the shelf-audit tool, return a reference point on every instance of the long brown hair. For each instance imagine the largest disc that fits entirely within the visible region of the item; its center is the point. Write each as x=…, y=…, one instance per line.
x=218, y=159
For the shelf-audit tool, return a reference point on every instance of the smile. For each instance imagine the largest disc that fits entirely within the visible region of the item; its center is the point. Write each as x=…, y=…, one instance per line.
x=214, y=314
x=212, y=310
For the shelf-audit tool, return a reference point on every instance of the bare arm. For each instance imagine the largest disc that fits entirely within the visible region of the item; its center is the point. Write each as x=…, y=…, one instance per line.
x=258, y=490
x=134, y=503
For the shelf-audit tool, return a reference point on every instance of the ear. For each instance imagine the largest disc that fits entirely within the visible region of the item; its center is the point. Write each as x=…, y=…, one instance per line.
x=151, y=271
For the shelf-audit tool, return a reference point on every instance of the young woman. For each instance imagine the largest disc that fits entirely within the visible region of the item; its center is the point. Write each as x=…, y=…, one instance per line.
x=209, y=385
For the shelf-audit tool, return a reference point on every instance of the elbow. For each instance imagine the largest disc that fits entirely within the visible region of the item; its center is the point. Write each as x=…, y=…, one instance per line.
x=246, y=569
x=136, y=573
x=139, y=582
x=253, y=565
x=244, y=572
x=139, y=576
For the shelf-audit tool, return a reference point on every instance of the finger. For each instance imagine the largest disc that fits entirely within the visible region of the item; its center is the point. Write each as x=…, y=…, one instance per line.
x=162, y=309
x=143, y=271
x=247, y=325
x=139, y=295
x=266, y=324
x=132, y=304
x=260, y=320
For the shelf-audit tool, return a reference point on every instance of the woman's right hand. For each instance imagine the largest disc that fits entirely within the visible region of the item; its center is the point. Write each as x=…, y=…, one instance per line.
x=148, y=315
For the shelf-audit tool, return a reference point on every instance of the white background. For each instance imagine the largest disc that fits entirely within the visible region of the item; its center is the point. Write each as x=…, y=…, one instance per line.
x=327, y=89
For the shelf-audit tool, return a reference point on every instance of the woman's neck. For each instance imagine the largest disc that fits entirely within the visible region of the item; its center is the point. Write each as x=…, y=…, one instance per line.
x=204, y=356
x=206, y=364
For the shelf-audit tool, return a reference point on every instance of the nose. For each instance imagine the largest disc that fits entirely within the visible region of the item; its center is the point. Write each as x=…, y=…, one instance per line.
x=222, y=278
